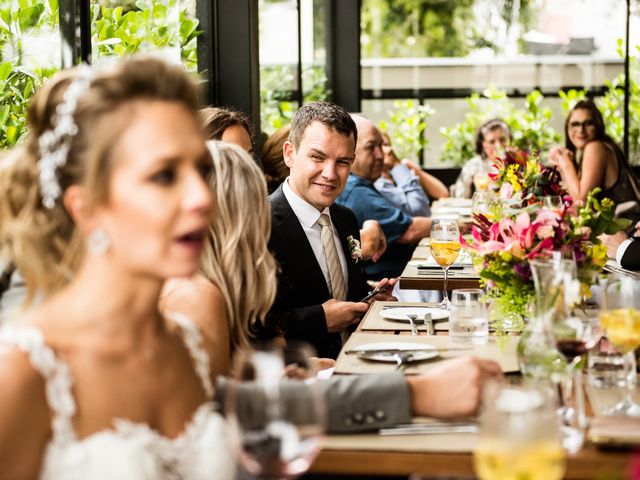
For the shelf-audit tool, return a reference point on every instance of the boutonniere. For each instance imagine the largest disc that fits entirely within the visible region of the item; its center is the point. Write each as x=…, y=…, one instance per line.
x=354, y=248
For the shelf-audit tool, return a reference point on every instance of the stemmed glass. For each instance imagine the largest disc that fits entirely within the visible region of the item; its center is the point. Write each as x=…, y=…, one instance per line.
x=276, y=410
x=445, y=248
x=620, y=317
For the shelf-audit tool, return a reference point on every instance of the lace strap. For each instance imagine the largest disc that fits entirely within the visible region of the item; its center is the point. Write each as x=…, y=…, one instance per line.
x=193, y=340
x=56, y=374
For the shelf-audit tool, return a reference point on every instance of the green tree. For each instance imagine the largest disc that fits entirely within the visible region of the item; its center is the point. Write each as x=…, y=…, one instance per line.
x=436, y=28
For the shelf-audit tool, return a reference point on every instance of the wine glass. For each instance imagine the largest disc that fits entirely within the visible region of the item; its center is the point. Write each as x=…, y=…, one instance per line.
x=620, y=318
x=554, y=203
x=445, y=248
x=518, y=435
x=483, y=202
x=276, y=410
x=574, y=336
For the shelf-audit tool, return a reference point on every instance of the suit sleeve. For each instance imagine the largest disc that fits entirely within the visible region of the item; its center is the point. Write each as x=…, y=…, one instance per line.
x=631, y=258
x=354, y=404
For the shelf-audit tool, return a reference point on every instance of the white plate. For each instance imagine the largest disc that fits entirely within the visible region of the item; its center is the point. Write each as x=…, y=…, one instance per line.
x=419, y=352
x=399, y=314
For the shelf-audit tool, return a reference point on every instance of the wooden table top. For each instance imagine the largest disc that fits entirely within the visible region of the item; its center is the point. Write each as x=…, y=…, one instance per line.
x=589, y=463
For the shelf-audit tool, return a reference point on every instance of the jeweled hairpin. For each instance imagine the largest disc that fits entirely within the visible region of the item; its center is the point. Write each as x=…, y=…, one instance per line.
x=54, y=144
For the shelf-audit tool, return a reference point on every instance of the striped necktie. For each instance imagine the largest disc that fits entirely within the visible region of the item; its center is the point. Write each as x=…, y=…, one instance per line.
x=336, y=278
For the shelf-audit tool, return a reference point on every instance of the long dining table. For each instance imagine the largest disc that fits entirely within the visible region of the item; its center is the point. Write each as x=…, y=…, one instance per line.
x=440, y=455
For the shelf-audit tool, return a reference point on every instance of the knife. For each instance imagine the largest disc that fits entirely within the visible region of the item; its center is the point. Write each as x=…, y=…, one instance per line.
x=391, y=351
x=430, y=428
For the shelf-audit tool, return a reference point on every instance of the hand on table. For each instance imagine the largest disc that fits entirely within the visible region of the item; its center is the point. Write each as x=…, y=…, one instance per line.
x=453, y=389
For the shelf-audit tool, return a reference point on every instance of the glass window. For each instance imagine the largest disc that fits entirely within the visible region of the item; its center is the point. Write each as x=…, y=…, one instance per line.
x=29, y=53
x=292, y=58
x=446, y=55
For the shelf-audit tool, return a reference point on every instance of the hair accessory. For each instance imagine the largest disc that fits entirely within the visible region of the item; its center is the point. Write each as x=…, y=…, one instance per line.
x=54, y=144
x=98, y=241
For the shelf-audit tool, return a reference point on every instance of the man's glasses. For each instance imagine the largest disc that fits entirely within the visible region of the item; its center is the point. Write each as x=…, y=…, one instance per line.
x=580, y=125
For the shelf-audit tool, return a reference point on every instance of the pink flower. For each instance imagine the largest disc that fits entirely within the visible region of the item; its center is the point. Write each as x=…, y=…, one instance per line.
x=506, y=191
x=545, y=231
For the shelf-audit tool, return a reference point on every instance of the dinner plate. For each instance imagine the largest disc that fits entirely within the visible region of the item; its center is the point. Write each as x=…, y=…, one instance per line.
x=379, y=352
x=399, y=314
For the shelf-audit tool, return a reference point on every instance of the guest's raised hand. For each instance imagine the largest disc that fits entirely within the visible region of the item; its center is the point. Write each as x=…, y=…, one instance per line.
x=385, y=286
x=340, y=315
x=453, y=389
x=374, y=242
x=560, y=156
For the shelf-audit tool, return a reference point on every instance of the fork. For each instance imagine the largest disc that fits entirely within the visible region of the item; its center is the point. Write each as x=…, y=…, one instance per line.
x=412, y=320
x=401, y=358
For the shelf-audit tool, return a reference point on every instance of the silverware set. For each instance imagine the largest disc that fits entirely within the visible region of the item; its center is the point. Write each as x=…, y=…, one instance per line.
x=428, y=324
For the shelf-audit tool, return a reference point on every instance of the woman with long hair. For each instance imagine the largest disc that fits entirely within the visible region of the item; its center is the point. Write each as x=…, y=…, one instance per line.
x=236, y=282
x=590, y=159
x=109, y=199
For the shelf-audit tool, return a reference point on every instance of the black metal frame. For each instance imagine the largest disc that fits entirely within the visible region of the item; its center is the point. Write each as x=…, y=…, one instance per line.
x=75, y=32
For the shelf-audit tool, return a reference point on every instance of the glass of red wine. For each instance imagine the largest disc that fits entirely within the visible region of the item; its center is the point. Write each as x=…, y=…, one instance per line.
x=574, y=336
x=276, y=410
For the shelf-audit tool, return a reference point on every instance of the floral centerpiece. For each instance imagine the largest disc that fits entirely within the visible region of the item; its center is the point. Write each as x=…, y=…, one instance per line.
x=503, y=243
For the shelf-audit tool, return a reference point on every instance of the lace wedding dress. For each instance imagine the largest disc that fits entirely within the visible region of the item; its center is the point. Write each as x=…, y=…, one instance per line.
x=129, y=450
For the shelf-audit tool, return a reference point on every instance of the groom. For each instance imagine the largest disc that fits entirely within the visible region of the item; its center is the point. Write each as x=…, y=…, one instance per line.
x=319, y=283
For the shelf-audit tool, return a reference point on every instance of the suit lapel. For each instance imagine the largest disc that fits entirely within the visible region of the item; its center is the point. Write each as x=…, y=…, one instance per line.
x=297, y=244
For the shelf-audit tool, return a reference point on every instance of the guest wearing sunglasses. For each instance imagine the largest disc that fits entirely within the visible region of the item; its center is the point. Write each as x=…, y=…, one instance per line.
x=591, y=159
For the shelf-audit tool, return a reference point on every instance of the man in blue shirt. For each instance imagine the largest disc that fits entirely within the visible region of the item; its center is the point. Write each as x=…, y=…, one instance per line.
x=403, y=231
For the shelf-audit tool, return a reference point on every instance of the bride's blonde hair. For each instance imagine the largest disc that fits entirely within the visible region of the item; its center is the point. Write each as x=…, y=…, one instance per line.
x=236, y=257
x=42, y=242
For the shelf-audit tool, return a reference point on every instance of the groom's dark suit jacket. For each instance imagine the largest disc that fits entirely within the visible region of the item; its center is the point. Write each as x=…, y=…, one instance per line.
x=631, y=258
x=302, y=287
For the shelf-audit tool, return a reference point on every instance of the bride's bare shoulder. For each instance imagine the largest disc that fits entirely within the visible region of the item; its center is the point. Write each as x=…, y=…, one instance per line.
x=24, y=415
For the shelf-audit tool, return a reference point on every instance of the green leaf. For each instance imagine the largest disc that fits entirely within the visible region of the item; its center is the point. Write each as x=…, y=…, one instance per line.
x=29, y=17
x=5, y=70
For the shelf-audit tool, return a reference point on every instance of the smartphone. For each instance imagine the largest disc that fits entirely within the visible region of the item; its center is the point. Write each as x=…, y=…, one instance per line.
x=376, y=291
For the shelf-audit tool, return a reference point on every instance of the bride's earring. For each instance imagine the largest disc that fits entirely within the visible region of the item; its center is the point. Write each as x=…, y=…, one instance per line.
x=98, y=241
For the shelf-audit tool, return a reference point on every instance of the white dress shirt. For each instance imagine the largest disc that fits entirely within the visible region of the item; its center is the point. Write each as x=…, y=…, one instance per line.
x=308, y=216
x=621, y=249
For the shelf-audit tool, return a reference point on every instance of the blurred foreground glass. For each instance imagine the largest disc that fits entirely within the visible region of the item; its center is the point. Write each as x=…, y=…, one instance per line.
x=445, y=248
x=620, y=318
x=519, y=435
x=276, y=410
x=469, y=318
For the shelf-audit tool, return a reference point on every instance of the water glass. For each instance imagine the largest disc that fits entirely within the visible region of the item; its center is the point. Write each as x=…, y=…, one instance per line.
x=469, y=317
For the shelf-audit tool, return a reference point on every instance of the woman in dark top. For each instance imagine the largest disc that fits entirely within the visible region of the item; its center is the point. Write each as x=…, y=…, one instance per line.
x=592, y=159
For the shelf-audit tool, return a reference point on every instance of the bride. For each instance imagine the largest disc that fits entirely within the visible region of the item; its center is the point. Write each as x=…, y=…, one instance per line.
x=96, y=383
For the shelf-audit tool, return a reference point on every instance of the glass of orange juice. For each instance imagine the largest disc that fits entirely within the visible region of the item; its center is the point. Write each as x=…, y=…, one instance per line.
x=519, y=435
x=445, y=248
x=620, y=319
